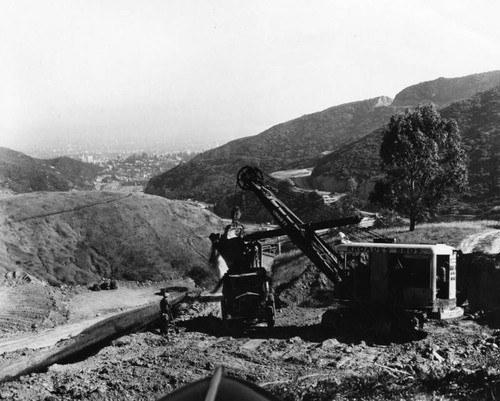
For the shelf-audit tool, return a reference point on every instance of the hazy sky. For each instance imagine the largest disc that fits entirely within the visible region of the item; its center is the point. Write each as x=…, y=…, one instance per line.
x=194, y=69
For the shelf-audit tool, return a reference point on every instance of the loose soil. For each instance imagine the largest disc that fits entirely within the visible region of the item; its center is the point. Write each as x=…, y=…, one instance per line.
x=36, y=316
x=297, y=360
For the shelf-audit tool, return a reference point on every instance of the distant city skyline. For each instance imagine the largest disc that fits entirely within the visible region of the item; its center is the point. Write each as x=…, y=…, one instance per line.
x=207, y=71
x=110, y=149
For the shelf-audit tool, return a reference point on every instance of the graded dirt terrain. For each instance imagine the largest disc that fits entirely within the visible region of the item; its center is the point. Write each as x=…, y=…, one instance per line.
x=297, y=360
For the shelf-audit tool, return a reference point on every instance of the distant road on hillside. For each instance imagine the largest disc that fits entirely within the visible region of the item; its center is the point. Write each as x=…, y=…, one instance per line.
x=300, y=178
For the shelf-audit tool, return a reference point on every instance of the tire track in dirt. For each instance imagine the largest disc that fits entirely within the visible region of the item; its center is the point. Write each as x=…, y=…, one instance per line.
x=486, y=241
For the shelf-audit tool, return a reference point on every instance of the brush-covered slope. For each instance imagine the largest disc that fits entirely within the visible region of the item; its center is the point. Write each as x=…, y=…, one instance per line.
x=294, y=144
x=20, y=173
x=303, y=142
x=81, y=236
x=444, y=91
x=479, y=122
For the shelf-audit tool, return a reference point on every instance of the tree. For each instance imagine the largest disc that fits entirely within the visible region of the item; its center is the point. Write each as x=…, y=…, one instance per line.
x=423, y=161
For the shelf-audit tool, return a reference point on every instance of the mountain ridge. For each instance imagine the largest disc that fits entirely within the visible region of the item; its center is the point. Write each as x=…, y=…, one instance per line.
x=20, y=173
x=297, y=143
x=479, y=122
x=444, y=91
x=211, y=175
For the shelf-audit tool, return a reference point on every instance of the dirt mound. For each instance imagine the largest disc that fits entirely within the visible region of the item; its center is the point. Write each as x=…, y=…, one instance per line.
x=79, y=237
x=487, y=241
x=30, y=306
x=311, y=288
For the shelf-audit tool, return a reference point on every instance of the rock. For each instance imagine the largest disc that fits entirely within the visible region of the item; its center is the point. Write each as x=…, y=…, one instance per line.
x=295, y=340
x=342, y=362
x=61, y=389
x=299, y=359
x=322, y=362
x=252, y=345
x=423, y=369
x=437, y=357
x=120, y=342
x=330, y=343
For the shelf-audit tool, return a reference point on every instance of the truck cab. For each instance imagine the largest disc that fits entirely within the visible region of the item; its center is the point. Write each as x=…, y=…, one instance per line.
x=412, y=276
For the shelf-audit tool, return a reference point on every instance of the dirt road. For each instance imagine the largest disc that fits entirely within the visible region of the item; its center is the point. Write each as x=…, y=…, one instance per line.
x=62, y=314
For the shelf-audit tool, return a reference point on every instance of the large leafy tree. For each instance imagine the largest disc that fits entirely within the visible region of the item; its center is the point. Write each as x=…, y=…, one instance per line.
x=423, y=161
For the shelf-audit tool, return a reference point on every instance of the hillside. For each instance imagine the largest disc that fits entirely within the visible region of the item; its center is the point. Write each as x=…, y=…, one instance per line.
x=444, y=91
x=294, y=144
x=81, y=236
x=20, y=173
x=479, y=123
x=340, y=141
x=359, y=161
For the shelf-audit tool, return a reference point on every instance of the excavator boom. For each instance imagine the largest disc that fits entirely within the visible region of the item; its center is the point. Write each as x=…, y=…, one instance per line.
x=321, y=225
x=302, y=235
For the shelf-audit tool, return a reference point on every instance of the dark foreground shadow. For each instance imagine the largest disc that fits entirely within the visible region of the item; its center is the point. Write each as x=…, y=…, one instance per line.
x=214, y=326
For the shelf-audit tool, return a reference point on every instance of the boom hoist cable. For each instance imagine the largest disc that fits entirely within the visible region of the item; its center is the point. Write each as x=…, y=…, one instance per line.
x=304, y=237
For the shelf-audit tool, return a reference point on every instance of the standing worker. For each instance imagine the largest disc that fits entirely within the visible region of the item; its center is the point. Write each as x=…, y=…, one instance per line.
x=166, y=314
